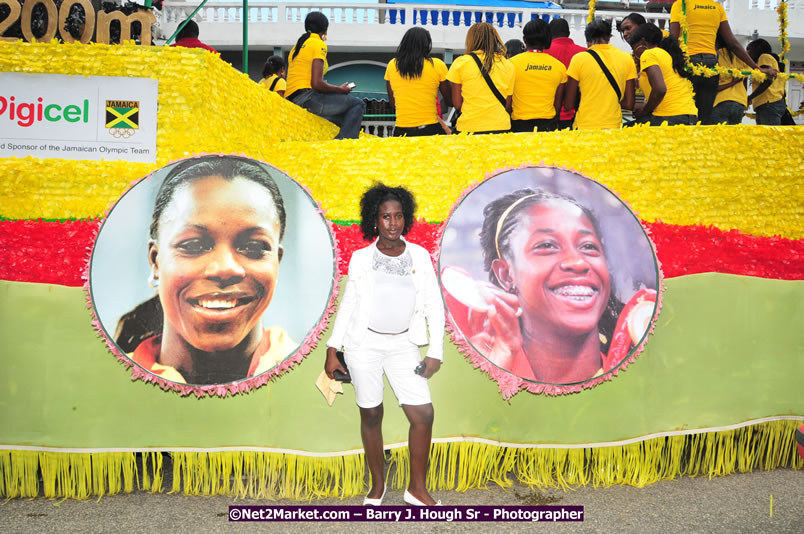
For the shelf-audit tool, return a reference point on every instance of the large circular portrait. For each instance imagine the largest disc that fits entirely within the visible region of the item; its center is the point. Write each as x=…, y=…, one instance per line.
x=212, y=275
x=550, y=281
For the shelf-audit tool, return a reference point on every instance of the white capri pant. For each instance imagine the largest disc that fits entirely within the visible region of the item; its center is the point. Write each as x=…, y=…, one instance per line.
x=395, y=355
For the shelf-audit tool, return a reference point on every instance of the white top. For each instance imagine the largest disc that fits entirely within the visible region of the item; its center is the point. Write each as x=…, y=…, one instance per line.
x=426, y=325
x=393, y=300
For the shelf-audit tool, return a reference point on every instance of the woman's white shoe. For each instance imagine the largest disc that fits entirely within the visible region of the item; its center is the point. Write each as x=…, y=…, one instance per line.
x=375, y=502
x=413, y=501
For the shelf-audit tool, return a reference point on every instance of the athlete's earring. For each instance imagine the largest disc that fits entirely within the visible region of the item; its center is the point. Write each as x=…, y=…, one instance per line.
x=153, y=281
x=603, y=338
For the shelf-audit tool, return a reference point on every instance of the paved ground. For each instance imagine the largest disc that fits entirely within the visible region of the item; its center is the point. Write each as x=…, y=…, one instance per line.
x=737, y=503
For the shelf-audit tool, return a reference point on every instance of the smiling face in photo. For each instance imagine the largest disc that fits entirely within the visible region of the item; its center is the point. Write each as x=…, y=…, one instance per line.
x=216, y=258
x=558, y=267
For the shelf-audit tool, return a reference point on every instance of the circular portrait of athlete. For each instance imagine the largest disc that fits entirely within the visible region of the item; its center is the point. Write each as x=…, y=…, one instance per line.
x=548, y=276
x=212, y=270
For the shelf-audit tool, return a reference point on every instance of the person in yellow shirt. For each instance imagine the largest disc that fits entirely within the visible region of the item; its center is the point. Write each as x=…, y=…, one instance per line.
x=307, y=88
x=413, y=80
x=602, y=101
x=273, y=75
x=663, y=79
x=481, y=110
x=768, y=97
x=706, y=21
x=539, y=83
x=631, y=22
x=732, y=97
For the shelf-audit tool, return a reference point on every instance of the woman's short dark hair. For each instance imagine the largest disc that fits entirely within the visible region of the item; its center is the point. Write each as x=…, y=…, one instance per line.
x=636, y=18
x=413, y=49
x=370, y=206
x=314, y=22
x=761, y=46
x=513, y=47
x=490, y=239
x=272, y=66
x=536, y=34
x=226, y=167
x=597, y=30
x=190, y=30
x=559, y=27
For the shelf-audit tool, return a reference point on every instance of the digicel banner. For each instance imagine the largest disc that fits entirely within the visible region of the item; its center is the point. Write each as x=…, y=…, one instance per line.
x=26, y=113
x=72, y=117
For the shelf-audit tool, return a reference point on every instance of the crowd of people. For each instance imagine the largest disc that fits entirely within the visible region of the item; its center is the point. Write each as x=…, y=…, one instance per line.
x=546, y=81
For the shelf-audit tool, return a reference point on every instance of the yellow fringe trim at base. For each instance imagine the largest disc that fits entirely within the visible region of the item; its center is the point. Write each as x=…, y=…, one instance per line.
x=458, y=465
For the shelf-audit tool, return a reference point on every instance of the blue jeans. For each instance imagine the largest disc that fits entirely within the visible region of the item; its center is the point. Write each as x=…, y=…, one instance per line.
x=345, y=111
x=728, y=112
x=770, y=114
x=705, y=87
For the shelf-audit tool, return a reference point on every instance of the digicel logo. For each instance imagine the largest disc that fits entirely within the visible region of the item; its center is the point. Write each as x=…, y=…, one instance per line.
x=26, y=113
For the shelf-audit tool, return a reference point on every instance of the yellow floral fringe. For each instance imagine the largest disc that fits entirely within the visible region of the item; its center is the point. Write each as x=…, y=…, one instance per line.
x=453, y=466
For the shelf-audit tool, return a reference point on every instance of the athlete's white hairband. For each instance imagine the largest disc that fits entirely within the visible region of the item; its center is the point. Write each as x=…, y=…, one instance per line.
x=505, y=214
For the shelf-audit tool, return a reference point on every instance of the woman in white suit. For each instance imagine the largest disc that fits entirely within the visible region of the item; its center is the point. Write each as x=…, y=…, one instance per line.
x=391, y=301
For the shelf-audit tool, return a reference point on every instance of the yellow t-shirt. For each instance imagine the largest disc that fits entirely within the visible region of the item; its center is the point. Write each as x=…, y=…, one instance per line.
x=735, y=93
x=280, y=85
x=599, y=107
x=678, y=99
x=537, y=77
x=416, y=98
x=481, y=111
x=703, y=18
x=300, y=69
x=776, y=90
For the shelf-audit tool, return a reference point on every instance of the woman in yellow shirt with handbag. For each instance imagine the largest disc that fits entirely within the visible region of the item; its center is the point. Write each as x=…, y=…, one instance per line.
x=663, y=79
x=606, y=78
x=482, y=82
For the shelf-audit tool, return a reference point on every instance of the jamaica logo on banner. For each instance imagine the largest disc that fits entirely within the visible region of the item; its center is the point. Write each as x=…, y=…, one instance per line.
x=122, y=117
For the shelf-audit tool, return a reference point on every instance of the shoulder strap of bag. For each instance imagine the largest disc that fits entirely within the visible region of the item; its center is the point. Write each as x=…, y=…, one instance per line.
x=488, y=79
x=607, y=73
x=273, y=83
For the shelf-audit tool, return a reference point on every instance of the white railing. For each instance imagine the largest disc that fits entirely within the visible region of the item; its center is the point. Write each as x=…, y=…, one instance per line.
x=381, y=14
x=379, y=128
x=380, y=26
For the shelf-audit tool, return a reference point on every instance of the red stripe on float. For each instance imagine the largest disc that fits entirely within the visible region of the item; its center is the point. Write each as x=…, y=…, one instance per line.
x=55, y=253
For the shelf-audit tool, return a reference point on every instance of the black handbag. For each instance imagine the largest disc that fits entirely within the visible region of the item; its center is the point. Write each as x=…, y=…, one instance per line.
x=339, y=376
x=787, y=118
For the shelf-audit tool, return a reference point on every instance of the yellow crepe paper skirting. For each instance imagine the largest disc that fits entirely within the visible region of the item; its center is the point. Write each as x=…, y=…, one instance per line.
x=453, y=466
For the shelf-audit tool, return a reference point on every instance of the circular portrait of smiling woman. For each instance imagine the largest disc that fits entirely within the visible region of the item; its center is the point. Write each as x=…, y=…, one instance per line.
x=550, y=281
x=213, y=271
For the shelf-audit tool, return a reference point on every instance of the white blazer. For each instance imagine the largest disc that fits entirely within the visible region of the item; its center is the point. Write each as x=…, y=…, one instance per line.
x=352, y=321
